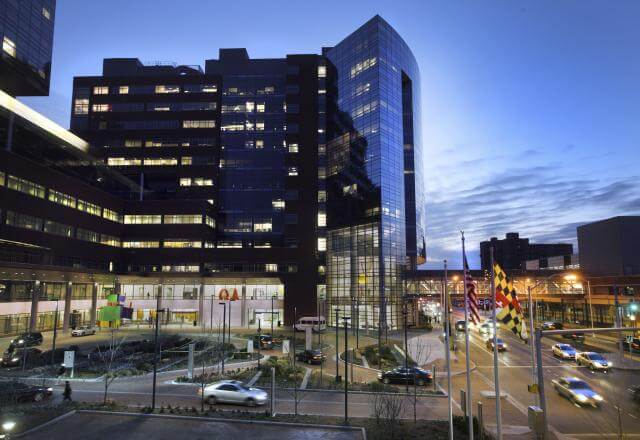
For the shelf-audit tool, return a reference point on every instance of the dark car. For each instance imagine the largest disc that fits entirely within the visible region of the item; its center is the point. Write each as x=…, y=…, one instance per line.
x=631, y=344
x=29, y=339
x=635, y=393
x=264, y=342
x=13, y=392
x=551, y=325
x=576, y=337
x=461, y=326
x=311, y=356
x=406, y=376
x=500, y=343
x=14, y=357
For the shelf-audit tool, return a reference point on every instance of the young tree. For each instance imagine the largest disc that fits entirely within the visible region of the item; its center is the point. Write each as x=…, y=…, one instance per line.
x=107, y=359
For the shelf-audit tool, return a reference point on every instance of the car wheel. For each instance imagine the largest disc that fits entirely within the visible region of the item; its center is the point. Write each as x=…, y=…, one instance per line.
x=420, y=382
x=309, y=361
x=250, y=402
x=386, y=380
x=211, y=400
x=38, y=397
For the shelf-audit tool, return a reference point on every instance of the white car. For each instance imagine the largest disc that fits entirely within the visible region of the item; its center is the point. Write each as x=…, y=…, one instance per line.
x=593, y=360
x=233, y=391
x=564, y=351
x=487, y=328
x=85, y=330
x=578, y=391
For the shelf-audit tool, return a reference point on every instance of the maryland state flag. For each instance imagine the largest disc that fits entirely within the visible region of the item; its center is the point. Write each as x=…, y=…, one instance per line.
x=510, y=313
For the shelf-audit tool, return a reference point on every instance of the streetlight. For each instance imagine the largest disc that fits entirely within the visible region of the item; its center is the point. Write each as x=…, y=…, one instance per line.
x=259, y=330
x=224, y=324
x=156, y=353
x=55, y=333
x=272, y=298
x=346, y=371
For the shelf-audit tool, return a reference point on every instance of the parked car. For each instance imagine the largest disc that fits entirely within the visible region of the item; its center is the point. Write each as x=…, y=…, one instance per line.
x=233, y=391
x=502, y=346
x=564, y=351
x=29, y=339
x=631, y=344
x=593, y=360
x=552, y=325
x=577, y=390
x=15, y=356
x=576, y=337
x=85, y=330
x=21, y=392
x=406, y=376
x=311, y=356
x=461, y=326
x=264, y=342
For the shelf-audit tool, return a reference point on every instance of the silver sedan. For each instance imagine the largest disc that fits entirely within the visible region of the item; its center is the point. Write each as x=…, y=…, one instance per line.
x=233, y=391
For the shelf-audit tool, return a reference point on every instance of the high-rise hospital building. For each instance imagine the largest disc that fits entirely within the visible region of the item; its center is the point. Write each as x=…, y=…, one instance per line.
x=275, y=184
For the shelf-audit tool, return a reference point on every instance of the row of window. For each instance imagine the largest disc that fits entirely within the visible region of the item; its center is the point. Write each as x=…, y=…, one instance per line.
x=81, y=106
x=154, y=89
x=173, y=219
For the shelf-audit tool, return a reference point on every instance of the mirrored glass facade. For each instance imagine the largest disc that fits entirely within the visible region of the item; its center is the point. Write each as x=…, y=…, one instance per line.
x=374, y=174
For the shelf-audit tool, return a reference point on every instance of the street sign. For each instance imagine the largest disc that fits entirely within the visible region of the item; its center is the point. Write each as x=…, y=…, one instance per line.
x=250, y=346
x=285, y=346
x=532, y=388
x=69, y=358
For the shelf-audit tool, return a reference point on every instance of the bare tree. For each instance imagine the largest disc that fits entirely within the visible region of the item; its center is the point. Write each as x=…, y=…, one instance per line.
x=420, y=352
x=107, y=358
x=387, y=409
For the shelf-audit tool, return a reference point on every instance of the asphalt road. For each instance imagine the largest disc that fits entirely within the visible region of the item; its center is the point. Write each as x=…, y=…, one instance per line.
x=564, y=417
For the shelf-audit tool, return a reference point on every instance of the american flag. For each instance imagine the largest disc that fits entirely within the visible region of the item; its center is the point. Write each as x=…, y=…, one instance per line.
x=472, y=297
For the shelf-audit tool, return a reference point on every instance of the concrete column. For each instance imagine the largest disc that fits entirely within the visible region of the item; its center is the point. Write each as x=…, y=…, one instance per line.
x=94, y=304
x=67, y=306
x=201, y=306
x=35, y=296
x=244, y=321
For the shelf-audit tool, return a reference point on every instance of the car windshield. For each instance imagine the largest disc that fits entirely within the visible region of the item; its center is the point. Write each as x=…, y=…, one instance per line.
x=596, y=357
x=579, y=385
x=565, y=347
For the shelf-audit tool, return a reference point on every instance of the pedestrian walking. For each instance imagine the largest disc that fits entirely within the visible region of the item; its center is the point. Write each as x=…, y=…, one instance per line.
x=66, y=394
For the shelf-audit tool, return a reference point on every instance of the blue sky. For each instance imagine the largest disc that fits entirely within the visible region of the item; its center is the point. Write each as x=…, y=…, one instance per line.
x=531, y=119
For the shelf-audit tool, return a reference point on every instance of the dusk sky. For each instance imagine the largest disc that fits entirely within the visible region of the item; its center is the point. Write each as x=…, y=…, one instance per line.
x=531, y=109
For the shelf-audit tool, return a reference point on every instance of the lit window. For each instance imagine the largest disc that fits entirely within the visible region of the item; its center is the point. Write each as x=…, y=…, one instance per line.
x=199, y=124
x=81, y=106
x=271, y=267
x=167, y=89
x=259, y=143
x=132, y=143
x=160, y=161
x=322, y=244
x=322, y=219
x=278, y=204
x=25, y=186
x=260, y=125
x=260, y=107
x=109, y=240
x=322, y=91
x=123, y=162
x=9, y=46
x=101, y=90
x=184, y=219
x=62, y=198
x=46, y=13
x=146, y=219
x=123, y=90
x=322, y=196
x=182, y=244
x=185, y=181
x=111, y=215
x=322, y=71
x=322, y=173
x=249, y=106
x=89, y=208
x=293, y=148
x=140, y=244
x=186, y=160
x=360, y=67
x=293, y=171
x=232, y=127
x=100, y=108
x=265, y=226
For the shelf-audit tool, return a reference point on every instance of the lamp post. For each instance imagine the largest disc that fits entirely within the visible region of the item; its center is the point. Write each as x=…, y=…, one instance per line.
x=259, y=330
x=156, y=354
x=224, y=325
x=272, y=298
x=55, y=334
x=346, y=371
x=337, y=310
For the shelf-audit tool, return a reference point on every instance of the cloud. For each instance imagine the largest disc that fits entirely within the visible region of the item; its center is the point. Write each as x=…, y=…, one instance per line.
x=544, y=202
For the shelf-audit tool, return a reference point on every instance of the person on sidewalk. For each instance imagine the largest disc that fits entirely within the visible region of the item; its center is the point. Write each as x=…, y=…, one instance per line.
x=66, y=394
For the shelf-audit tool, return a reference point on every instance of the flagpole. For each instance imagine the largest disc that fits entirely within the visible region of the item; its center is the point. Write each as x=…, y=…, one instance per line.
x=466, y=341
x=495, y=350
x=447, y=329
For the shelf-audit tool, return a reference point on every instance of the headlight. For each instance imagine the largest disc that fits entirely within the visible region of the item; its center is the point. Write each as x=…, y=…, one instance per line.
x=609, y=364
x=582, y=398
x=504, y=345
x=597, y=397
x=49, y=389
x=20, y=341
x=15, y=359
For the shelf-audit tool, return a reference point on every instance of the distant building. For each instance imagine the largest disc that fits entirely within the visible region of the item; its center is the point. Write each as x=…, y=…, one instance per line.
x=512, y=252
x=26, y=29
x=610, y=247
x=557, y=262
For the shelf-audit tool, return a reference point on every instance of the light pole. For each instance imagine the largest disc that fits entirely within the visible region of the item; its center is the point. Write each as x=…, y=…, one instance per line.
x=346, y=371
x=156, y=353
x=337, y=310
x=259, y=330
x=272, y=298
x=224, y=325
x=55, y=334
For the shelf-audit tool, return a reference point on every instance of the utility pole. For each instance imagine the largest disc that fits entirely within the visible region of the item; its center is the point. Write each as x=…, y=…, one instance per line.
x=55, y=334
x=224, y=325
x=337, y=310
x=156, y=352
x=346, y=371
x=532, y=337
x=496, y=375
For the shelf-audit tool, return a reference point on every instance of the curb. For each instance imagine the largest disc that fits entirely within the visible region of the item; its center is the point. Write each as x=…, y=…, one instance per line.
x=45, y=424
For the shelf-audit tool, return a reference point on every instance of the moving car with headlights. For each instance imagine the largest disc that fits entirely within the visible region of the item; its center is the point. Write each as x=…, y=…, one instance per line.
x=577, y=390
x=85, y=330
x=14, y=392
x=29, y=339
x=264, y=342
x=551, y=325
x=14, y=357
x=487, y=328
x=461, y=326
x=593, y=360
x=406, y=376
x=502, y=346
x=564, y=351
x=576, y=337
x=311, y=356
x=233, y=391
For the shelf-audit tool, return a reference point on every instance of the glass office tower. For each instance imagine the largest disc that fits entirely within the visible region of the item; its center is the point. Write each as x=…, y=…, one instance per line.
x=375, y=186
